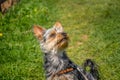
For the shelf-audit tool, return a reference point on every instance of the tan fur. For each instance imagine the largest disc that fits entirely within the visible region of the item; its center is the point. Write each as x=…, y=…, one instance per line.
x=38, y=31
x=62, y=44
x=58, y=24
x=7, y=4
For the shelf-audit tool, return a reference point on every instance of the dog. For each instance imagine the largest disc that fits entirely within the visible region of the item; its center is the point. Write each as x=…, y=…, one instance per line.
x=57, y=64
x=6, y=4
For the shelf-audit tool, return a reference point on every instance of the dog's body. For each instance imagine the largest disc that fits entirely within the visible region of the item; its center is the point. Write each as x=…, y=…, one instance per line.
x=57, y=65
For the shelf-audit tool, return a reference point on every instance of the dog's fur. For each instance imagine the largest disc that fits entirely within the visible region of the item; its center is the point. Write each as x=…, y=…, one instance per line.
x=6, y=4
x=53, y=43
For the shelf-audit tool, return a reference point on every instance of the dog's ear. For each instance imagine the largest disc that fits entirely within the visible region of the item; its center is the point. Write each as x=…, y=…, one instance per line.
x=58, y=27
x=38, y=31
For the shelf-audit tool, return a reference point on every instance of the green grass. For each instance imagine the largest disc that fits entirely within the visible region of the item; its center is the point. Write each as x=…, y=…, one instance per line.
x=93, y=27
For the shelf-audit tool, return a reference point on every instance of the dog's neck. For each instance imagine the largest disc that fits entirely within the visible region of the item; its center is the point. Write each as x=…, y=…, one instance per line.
x=54, y=62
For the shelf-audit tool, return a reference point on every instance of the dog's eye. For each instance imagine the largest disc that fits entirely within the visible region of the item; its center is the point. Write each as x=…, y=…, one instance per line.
x=52, y=35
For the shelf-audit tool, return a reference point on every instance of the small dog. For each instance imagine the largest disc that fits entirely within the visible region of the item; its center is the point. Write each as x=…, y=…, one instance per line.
x=57, y=65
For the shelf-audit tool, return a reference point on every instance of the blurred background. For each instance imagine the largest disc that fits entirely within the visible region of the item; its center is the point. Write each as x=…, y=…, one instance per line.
x=92, y=25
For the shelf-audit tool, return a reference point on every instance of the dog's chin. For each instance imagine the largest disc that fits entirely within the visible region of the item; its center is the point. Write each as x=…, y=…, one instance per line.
x=63, y=44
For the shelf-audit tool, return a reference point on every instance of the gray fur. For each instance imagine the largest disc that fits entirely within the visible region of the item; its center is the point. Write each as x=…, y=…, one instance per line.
x=56, y=60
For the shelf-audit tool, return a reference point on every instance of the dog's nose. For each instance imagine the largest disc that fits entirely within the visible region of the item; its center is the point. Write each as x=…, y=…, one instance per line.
x=64, y=34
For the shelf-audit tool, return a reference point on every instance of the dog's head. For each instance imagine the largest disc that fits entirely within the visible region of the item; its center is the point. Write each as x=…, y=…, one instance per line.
x=52, y=39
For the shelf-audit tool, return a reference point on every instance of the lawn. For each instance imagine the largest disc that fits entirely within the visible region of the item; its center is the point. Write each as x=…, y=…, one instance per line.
x=92, y=25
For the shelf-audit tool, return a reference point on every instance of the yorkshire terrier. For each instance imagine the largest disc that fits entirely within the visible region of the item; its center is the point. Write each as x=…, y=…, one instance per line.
x=57, y=64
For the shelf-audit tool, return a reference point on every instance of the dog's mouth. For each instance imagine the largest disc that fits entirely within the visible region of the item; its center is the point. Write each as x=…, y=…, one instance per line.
x=64, y=39
x=62, y=43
